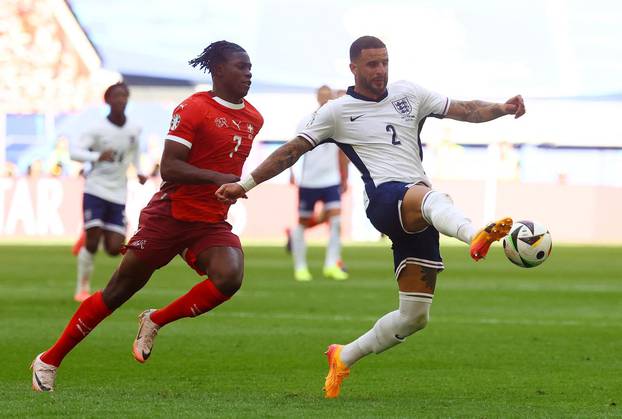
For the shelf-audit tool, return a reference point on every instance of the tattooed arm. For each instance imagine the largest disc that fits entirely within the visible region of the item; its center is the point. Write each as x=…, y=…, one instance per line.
x=281, y=159
x=480, y=111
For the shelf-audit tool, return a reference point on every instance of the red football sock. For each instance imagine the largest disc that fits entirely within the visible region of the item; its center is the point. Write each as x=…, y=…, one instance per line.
x=203, y=297
x=92, y=311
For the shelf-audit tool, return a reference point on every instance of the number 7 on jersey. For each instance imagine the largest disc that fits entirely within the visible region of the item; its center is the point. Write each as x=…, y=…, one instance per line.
x=237, y=140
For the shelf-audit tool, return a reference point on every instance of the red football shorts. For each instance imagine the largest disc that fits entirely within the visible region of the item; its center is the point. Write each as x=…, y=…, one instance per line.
x=160, y=237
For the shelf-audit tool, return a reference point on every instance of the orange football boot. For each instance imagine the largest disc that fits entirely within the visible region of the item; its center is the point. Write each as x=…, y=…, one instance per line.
x=337, y=371
x=485, y=237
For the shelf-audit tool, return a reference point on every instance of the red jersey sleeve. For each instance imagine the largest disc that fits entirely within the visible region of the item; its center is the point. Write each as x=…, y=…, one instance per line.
x=185, y=122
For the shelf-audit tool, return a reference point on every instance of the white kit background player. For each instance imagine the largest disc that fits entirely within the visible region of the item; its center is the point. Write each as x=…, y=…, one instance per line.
x=321, y=176
x=110, y=145
x=377, y=126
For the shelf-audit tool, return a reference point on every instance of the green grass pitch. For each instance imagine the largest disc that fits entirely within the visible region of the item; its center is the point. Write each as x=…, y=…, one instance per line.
x=503, y=341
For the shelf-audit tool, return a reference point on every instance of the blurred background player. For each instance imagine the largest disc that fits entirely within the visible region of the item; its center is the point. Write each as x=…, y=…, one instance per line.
x=321, y=176
x=109, y=146
x=210, y=137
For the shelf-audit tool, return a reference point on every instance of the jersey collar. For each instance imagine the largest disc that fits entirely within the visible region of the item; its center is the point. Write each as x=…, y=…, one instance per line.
x=355, y=95
x=228, y=104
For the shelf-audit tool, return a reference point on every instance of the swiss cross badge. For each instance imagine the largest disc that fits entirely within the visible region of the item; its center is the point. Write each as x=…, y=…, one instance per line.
x=221, y=122
x=175, y=121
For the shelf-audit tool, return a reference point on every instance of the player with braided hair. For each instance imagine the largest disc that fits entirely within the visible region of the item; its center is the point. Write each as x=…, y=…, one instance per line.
x=214, y=54
x=209, y=139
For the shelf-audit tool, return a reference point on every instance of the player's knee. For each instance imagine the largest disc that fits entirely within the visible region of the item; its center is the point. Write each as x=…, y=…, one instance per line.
x=227, y=279
x=305, y=222
x=113, y=251
x=91, y=246
x=413, y=317
x=411, y=324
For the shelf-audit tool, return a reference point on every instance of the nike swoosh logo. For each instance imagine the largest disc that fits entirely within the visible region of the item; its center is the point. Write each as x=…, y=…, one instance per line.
x=41, y=386
x=354, y=118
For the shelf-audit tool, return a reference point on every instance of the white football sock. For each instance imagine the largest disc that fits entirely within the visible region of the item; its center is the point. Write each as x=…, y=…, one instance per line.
x=299, y=247
x=333, y=250
x=85, y=269
x=438, y=209
x=392, y=328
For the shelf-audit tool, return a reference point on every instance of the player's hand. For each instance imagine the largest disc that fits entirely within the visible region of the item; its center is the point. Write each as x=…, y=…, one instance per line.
x=515, y=106
x=344, y=186
x=107, y=155
x=142, y=179
x=222, y=178
x=229, y=193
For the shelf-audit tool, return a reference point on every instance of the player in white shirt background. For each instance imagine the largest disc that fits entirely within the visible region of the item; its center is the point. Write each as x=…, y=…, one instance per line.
x=321, y=176
x=377, y=125
x=110, y=145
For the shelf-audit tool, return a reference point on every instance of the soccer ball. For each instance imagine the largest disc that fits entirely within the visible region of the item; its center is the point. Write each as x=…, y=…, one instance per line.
x=528, y=244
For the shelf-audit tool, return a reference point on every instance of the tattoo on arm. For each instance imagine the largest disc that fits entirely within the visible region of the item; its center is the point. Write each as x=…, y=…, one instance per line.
x=475, y=111
x=281, y=159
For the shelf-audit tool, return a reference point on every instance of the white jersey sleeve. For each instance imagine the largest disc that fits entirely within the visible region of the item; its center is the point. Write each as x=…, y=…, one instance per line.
x=431, y=103
x=108, y=179
x=318, y=168
x=320, y=125
x=82, y=149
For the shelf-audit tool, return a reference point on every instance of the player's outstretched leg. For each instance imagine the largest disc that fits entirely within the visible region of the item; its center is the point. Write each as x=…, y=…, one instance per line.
x=131, y=276
x=202, y=298
x=288, y=240
x=85, y=270
x=147, y=331
x=337, y=371
x=390, y=330
x=75, y=249
x=43, y=375
x=486, y=236
x=90, y=313
x=438, y=210
x=226, y=268
x=333, y=251
x=299, y=254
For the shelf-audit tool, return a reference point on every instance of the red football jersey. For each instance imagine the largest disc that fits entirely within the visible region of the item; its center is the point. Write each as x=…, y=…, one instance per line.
x=220, y=135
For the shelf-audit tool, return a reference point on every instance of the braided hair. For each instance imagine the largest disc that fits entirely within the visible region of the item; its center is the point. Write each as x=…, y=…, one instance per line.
x=214, y=54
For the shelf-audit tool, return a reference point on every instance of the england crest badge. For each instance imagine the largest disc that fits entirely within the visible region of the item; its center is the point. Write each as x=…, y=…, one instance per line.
x=402, y=106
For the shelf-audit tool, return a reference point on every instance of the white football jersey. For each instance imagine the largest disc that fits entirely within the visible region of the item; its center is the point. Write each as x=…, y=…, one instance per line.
x=318, y=168
x=108, y=180
x=380, y=137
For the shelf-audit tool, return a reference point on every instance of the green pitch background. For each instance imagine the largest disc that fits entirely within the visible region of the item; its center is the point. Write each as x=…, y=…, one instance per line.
x=502, y=342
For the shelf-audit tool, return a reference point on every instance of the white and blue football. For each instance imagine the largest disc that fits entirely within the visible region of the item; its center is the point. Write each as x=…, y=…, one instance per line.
x=528, y=244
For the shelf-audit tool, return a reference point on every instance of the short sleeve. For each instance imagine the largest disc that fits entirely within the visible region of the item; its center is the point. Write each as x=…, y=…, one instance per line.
x=319, y=126
x=431, y=103
x=184, y=123
x=83, y=149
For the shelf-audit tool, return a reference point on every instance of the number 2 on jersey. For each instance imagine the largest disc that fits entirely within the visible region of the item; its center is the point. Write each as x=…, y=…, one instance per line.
x=237, y=140
x=394, y=140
